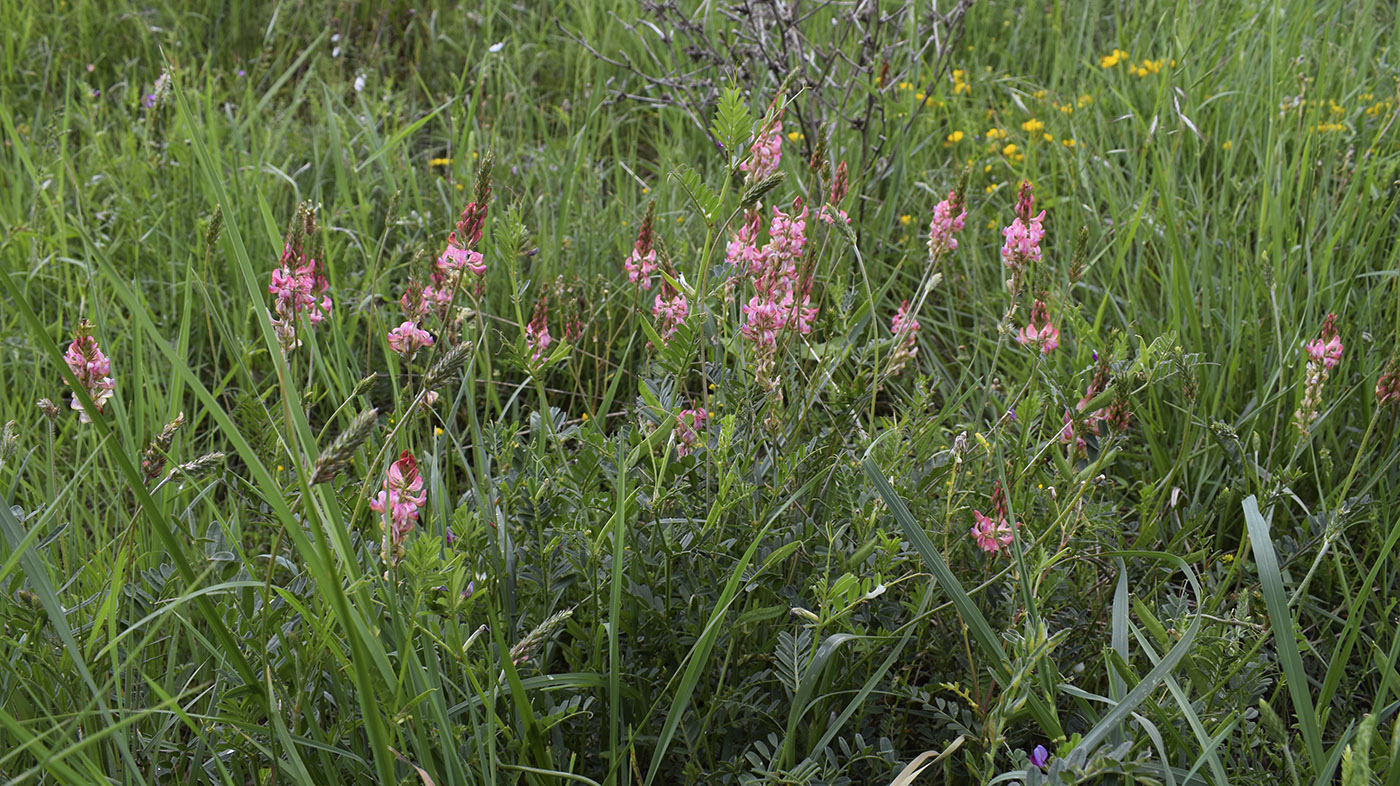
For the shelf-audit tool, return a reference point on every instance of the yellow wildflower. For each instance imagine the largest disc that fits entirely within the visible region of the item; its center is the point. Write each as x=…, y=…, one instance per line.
x=440, y=162
x=792, y=136
x=1067, y=142
x=1009, y=150
x=1032, y=126
x=1113, y=58
x=905, y=219
x=955, y=137
x=1228, y=144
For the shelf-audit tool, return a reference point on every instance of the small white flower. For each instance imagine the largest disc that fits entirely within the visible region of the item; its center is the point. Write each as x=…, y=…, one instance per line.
x=335, y=52
x=496, y=47
x=359, y=82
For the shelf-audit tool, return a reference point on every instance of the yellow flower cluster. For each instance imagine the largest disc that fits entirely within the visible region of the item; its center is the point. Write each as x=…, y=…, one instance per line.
x=1148, y=67
x=1329, y=128
x=440, y=162
x=996, y=133
x=1113, y=58
x=1378, y=108
x=1033, y=126
x=955, y=137
x=960, y=82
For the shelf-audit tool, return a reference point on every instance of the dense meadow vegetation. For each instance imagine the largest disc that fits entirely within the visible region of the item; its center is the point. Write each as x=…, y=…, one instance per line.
x=745, y=392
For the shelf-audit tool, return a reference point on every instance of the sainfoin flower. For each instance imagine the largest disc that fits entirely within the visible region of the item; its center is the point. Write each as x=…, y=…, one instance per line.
x=537, y=337
x=641, y=264
x=904, y=327
x=1324, y=353
x=782, y=299
x=671, y=308
x=1040, y=333
x=992, y=536
x=742, y=251
x=408, y=338
x=949, y=216
x=460, y=254
x=1327, y=349
x=298, y=287
x=1388, y=385
x=766, y=151
x=92, y=368
x=399, y=502
x=688, y=425
x=1025, y=233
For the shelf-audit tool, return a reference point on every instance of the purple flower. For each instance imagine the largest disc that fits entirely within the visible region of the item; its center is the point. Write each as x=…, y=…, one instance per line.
x=1040, y=757
x=149, y=101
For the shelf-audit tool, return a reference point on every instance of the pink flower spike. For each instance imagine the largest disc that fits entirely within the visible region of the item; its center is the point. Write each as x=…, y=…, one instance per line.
x=1326, y=350
x=537, y=336
x=766, y=151
x=455, y=259
x=948, y=220
x=92, y=368
x=1040, y=332
x=671, y=308
x=641, y=264
x=904, y=328
x=688, y=425
x=399, y=502
x=1388, y=384
x=991, y=536
x=408, y=338
x=1025, y=233
x=297, y=286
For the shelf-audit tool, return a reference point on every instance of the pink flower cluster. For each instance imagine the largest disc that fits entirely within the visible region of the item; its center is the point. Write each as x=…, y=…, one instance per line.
x=446, y=279
x=905, y=329
x=1388, y=384
x=1025, y=233
x=399, y=502
x=743, y=252
x=688, y=425
x=297, y=287
x=947, y=221
x=782, y=300
x=408, y=338
x=992, y=533
x=671, y=308
x=767, y=150
x=92, y=368
x=1324, y=353
x=537, y=338
x=642, y=263
x=1040, y=333
x=1327, y=349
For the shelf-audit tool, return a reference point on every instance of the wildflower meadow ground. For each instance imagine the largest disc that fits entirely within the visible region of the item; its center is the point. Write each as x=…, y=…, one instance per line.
x=629, y=393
